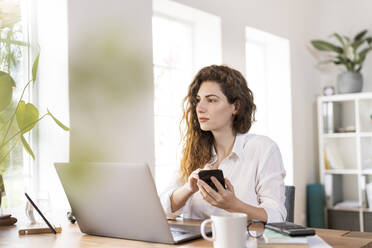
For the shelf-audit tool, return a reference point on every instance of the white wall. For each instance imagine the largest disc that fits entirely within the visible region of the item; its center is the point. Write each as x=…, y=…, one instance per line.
x=346, y=18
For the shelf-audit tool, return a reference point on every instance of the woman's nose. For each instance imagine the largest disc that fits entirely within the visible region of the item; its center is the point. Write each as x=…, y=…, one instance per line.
x=200, y=108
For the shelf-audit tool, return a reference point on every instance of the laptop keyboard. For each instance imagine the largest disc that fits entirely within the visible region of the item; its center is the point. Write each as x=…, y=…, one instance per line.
x=177, y=232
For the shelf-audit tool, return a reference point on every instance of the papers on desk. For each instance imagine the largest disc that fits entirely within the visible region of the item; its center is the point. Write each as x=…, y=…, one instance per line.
x=275, y=239
x=317, y=242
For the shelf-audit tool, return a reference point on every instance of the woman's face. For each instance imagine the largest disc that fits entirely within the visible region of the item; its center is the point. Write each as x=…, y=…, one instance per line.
x=214, y=111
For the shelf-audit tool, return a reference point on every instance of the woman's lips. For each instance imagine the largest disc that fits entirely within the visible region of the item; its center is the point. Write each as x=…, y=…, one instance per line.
x=203, y=119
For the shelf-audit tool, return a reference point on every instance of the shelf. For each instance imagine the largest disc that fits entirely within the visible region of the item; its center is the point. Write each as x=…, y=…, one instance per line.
x=340, y=135
x=342, y=172
x=366, y=134
x=347, y=135
x=345, y=209
x=367, y=210
x=345, y=97
x=367, y=172
x=345, y=144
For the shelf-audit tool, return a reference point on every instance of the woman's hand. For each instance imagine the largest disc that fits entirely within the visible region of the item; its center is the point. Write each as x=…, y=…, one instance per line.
x=179, y=196
x=192, y=181
x=224, y=198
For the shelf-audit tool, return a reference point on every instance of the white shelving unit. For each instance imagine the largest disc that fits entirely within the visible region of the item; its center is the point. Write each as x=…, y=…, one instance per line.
x=345, y=146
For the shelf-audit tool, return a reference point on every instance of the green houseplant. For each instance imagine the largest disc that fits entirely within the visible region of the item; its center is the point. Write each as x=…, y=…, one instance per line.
x=26, y=116
x=17, y=117
x=349, y=53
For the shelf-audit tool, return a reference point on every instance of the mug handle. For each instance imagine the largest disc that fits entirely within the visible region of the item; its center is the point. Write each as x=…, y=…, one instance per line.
x=202, y=230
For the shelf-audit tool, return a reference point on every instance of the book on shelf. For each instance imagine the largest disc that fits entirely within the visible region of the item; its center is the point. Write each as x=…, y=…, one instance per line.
x=347, y=205
x=326, y=162
x=333, y=189
x=332, y=158
x=368, y=194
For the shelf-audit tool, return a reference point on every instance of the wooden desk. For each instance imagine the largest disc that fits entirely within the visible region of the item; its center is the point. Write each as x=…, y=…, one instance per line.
x=71, y=237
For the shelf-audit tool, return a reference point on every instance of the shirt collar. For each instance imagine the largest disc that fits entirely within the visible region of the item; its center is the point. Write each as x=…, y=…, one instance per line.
x=238, y=145
x=237, y=150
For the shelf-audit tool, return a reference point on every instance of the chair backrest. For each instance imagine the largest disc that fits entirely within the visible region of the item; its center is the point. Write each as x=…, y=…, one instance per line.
x=289, y=202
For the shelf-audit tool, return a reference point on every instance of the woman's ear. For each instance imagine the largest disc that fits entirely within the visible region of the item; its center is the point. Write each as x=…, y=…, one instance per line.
x=236, y=107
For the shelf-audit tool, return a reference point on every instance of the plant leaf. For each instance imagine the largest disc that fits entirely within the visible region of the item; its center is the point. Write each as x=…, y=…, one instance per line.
x=6, y=90
x=34, y=67
x=363, y=54
x=27, y=116
x=58, y=122
x=360, y=35
x=27, y=147
x=365, y=51
x=339, y=38
x=358, y=43
x=326, y=46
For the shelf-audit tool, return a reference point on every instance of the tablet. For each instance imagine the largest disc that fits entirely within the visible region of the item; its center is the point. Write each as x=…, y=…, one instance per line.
x=41, y=214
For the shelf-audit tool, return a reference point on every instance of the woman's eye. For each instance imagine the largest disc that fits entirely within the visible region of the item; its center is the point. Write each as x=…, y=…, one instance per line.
x=212, y=100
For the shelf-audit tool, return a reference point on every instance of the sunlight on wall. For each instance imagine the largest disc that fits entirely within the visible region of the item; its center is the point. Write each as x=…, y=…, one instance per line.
x=268, y=76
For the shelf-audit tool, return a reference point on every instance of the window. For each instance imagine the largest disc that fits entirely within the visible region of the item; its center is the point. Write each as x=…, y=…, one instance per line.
x=184, y=40
x=15, y=54
x=268, y=76
x=46, y=33
x=51, y=142
x=172, y=74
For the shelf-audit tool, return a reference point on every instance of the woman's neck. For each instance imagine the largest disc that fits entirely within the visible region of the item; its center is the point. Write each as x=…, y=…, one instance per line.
x=224, y=143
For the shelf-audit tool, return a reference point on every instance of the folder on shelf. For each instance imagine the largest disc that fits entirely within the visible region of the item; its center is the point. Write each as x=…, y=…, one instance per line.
x=347, y=204
x=333, y=157
x=326, y=162
x=333, y=189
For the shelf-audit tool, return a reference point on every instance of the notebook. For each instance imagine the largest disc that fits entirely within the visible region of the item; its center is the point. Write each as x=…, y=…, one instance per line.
x=271, y=238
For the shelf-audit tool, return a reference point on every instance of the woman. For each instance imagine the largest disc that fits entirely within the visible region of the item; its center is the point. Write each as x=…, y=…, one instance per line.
x=219, y=111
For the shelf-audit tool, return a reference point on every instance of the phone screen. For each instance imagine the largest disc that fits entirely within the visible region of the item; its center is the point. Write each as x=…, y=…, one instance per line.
x=206, y=175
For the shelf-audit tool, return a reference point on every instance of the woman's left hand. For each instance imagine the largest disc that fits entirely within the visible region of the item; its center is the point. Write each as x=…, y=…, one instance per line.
x=224, y=198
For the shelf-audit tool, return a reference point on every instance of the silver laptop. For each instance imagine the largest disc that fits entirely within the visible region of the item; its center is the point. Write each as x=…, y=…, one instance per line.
x=119, y=200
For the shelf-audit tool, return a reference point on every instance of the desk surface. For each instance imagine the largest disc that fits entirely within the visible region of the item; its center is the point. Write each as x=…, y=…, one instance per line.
x=71, y=237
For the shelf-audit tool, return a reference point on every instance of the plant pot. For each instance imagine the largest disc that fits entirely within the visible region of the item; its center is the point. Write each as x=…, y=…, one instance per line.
x=349, y=82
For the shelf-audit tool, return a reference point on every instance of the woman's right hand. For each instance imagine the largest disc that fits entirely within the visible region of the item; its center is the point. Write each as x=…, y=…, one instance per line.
x=192, y=181
x=182, y=194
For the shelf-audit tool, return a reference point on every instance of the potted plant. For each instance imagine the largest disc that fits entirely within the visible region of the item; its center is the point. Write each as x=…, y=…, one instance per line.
x=25, y=115
x=17, y=117
x=350, y=53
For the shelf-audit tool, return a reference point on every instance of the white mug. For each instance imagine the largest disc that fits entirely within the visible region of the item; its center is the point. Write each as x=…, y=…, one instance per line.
x=227, y=230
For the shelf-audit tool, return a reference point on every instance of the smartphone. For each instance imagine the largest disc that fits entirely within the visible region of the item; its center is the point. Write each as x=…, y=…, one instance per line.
x=206, y=175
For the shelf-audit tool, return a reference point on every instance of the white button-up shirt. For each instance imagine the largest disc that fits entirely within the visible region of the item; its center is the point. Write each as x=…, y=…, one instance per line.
x=256, y=171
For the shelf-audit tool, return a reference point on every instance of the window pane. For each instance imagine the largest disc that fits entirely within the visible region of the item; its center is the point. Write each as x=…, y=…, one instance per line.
x=268, y=75
x=172, y=43
x=170, y=89
x=172, y=46
x=167, y=139
x=13, y=60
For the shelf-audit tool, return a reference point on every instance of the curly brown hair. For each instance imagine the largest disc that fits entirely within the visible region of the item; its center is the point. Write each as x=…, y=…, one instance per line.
x=197, y=148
